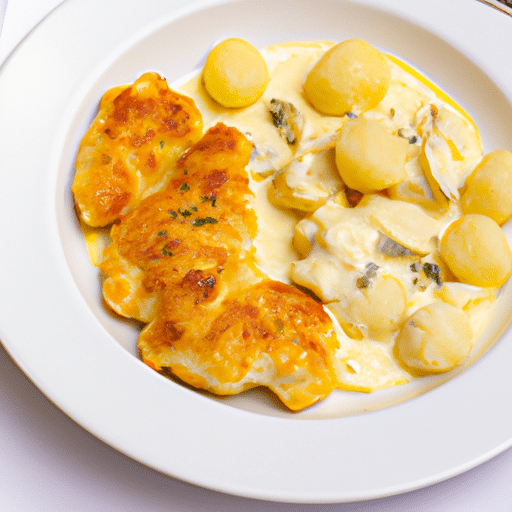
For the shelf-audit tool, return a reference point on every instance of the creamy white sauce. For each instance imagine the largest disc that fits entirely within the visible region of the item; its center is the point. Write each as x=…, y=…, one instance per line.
x=366, y=364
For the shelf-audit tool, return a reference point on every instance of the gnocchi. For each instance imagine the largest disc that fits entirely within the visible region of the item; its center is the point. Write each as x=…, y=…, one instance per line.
x=235, y=73
x=352, y=76
x=368, y=157
x=435, y=338
x=487, y=189
x=378, y=306
x=476, y=250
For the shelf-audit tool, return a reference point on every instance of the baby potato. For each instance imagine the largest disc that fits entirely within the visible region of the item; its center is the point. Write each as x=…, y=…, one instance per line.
x=435, y=338
x=379, y=307
x=352, y=76
x=476, y=250
x=368, y=157
x=235, y=73
x=487, y=189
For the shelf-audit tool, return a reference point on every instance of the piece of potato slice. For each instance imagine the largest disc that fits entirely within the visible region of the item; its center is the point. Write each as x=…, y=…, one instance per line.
x=403, y=222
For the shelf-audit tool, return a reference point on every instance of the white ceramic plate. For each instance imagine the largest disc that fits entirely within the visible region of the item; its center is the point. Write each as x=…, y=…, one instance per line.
x=52, y=322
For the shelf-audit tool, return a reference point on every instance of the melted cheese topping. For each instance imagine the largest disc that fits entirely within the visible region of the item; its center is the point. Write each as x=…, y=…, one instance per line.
x=138, y=133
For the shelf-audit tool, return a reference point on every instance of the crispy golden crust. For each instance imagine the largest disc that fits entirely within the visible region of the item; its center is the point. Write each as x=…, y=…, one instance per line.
x=180, y=262
x=139, y=133
x=268, y=334
x=199, y=221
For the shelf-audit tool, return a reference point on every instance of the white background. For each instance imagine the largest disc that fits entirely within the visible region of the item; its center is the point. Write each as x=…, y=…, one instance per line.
x=49, y=463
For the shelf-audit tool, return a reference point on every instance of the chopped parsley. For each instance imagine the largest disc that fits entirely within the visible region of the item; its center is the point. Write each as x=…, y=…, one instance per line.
x=183, y=188
x=212, y=199
x=432, y=271
x=165, y=251
x=184, y=213
x=201, y=222
x=173, y=214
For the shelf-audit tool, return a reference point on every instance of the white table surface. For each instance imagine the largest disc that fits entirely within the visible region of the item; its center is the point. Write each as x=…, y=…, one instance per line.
x=49, y=463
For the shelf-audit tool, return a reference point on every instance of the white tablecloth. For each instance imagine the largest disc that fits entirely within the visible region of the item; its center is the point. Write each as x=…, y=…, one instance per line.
x=49, y=463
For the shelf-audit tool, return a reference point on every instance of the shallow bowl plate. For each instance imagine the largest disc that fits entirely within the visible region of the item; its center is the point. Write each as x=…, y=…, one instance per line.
x=54, y=325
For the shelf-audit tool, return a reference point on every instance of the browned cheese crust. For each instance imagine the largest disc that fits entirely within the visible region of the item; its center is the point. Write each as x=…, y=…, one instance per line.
x=139, y=132
x=182, y=262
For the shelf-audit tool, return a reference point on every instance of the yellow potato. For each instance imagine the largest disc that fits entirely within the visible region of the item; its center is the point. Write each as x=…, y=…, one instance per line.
x=487, y=189
x=352, y=76
x=435, y=338
x=378, y=307
x=235, y=73
x=476, y=250
x=368, y=157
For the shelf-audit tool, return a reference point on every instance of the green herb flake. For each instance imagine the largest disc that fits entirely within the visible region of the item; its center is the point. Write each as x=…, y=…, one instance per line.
x=212, y=199
x=183, y=188
x=184, y=213
x=432, y=271
x=201, y=222
x=165, y=251
x=163, y=234
x=106, y=159
x=173, y=214
x=162, y=144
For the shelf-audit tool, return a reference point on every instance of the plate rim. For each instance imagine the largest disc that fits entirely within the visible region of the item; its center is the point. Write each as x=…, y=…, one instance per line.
x=197, y=406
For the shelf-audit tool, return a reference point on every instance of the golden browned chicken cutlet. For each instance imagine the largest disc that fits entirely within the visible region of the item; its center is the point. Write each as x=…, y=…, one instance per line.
x=182, y=262
x=139, y=132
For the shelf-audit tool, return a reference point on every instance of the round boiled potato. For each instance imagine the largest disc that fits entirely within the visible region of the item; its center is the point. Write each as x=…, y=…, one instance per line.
x=368, y=157
x=235, y=73
x=435, y=338
x=488, y=187
x=378, y=307
x=476, y=251
x=352, y=76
